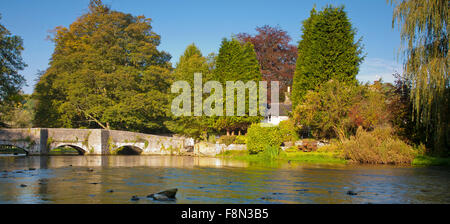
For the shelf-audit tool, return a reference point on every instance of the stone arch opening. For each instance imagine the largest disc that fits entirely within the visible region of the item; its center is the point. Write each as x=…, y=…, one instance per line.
x=129, y=150
x=67, y=150
x=8, y=149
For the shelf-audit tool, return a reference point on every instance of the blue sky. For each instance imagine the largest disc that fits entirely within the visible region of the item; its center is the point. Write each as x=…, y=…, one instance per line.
x=205, y=23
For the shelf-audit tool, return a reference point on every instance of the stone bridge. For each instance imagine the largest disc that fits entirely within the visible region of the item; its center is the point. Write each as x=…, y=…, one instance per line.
x=40, y=141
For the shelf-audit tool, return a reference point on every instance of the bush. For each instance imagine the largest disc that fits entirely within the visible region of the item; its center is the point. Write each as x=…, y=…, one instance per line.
x=240, y=139
x=271, y=152
x=288, y=131
x=212, y=139
x=258, y=138
x=227, y=139
x=378, y=147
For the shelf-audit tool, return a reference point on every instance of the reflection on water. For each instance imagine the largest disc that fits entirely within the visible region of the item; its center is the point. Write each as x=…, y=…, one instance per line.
x=87, y=179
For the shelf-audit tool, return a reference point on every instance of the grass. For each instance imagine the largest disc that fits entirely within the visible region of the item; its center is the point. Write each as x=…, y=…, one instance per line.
x=298, y=157
x=320, y=158
x=430, y=161
x=64, y=151
x=11, y=150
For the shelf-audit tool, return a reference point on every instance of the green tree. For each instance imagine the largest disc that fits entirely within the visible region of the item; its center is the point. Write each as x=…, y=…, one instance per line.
x=425, y=44
x=22, y=113
x=191, y=62
x=236, y=62
x=107, y=72
x=327, y=51
x=11, y=62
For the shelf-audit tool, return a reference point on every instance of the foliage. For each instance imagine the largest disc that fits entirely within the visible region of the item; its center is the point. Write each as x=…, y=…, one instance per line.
x=271, y=152
x=291, y=157
x=105, y=72
x=240, y=139
x=336, y=109
x=288, y=131
x=259, y=137
x=236, y=62
x=21, y=114
x=400, y=109
x=227, y=139
x=326, y=110
x=431, y=161
x=11, y=62
x=327, y=51
x=275, y=55
x=424, y=26
x=370, y=109
x=378, y=147
x=192, y=61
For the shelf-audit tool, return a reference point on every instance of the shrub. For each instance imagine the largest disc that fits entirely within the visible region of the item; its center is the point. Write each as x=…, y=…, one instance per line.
x=227, y=139
x=378, y=147
x=258, y=138
x=288, y=131
x=271, y=152
x=240, y=139
x=212, y=139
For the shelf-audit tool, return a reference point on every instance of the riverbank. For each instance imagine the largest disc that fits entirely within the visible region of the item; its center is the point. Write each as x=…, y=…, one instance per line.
x=320, y=158
x=431, y=161
x=300, y=157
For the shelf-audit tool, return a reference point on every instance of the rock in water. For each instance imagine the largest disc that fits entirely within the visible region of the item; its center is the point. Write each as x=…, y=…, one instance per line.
x=164, y=195
x=352, y=193
x=135, y=198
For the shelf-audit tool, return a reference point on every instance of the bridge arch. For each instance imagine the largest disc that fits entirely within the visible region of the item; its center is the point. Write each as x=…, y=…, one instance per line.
x=16, y=145
x=128, y=150
x=80, y=149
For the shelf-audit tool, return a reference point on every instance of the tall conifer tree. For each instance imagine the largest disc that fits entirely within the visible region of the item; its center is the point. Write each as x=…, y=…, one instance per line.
x=327, y=51
x=236, y=62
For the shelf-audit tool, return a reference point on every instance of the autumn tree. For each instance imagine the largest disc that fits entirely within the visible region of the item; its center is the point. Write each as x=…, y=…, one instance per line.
x=105, y=72
x=236, y=62
x=275, y=55
x=325, y=110
x=424, y=27
x=11, y=62
x=328, y=50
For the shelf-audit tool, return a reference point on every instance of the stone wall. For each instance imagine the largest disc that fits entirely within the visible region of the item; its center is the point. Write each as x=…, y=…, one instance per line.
x=29, y=139
x=210, y=149
x=37, y=141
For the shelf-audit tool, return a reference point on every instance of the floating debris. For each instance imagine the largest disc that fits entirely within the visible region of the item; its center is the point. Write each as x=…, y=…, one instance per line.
x=23, y=185
x=352, y=193
x=135, y=198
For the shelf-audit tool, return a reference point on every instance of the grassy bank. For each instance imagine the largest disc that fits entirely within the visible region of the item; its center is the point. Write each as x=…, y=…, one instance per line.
x=299, y=157
x=320, y=158
x=430, y=161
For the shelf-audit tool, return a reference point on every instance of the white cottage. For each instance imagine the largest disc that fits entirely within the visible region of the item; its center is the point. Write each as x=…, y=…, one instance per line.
x=283, y=111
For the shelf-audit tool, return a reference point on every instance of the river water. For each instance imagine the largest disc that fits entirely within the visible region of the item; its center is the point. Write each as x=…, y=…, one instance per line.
x=88, y=179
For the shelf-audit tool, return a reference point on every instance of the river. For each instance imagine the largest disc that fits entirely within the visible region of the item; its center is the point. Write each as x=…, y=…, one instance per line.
x=89, y=179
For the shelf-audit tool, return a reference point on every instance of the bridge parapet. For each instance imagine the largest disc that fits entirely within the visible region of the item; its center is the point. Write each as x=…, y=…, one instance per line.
x=32, y=140
x=39, y=141
x=149, y=144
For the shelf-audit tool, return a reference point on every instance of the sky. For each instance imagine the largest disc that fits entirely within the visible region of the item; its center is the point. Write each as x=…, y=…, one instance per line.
x=206, y=23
